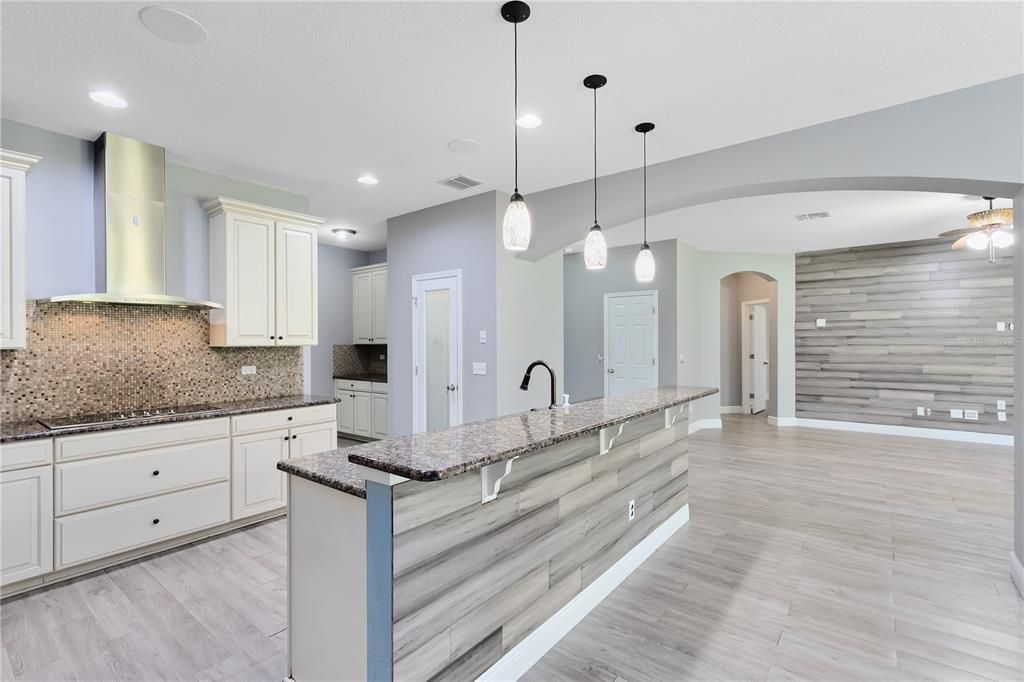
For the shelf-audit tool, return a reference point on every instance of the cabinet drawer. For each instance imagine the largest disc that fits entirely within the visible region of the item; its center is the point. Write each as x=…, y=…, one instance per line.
x=26, y=454
x=378, y=387
x=138, y=438
x=349, y=385
x=282, y=419
x=107, y=480
x=95, y=534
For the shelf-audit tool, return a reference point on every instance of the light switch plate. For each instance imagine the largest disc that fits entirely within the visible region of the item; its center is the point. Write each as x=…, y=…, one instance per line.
x=1000, y=326
x=1000, y=404
x=920, y=411
x=820, y=322
x=483, y=336
x=956, y=414
x=1001, y=416
x=248, y=370
x=479, y=368
x=971, y=414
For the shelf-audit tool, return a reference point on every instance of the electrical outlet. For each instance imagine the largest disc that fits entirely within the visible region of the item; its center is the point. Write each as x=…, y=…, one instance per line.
x=1000, y=326
x=956, y=414
x=971, y=414
x=248, y=370
x=632, y=509
x=479, y=368
x=1001, y=416
x=483, y=336
x=1000, y=404
x=920, y=411
x=820, y=322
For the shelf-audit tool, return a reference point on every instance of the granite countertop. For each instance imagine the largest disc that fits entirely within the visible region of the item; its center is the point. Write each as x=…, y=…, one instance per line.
x=28, y=430
x=377, y=378
x=443, y=454
x=331, y=469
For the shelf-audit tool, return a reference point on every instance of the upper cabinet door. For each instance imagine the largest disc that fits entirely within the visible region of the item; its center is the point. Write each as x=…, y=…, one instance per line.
x=362, y=307
x=13, y=168
x=250, y=286
x=380, y=306
x=296, y=285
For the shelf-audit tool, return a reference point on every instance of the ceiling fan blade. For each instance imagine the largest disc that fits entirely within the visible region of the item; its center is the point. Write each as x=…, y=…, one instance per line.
x=962, y=242
x=958, y=232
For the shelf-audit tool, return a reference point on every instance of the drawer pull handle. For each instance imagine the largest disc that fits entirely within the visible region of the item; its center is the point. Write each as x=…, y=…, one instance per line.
x=286, y=437
x=290, y=418
x=294, y=437
x=156, y=521
x=156, y=472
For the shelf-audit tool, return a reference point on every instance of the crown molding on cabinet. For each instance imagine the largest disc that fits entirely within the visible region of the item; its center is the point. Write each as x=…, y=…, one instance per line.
x=18, y=160
x=218, y=205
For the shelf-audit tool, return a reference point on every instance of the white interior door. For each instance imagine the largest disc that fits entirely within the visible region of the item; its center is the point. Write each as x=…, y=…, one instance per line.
x=758, y=325
x=631, y=342
x=437, y=351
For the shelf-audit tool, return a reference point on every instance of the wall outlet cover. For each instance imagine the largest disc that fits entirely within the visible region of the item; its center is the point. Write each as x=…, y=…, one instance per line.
x=248, y=370
x=1000, y=326
x=1000, y=404
x=483, y=336
x=820, y=322
x=971, y=414
x=956, y=414
x=632, y=509
x=920, y=411
x=383, y=357
x=1001, y=416
x=480, y=368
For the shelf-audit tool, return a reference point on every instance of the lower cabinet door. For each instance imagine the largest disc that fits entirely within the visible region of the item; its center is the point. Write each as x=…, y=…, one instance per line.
x=346, y=412
x=256, y=484
x=309, y=440
x=362, y=408
x=26, y=523
x=380, y=416
x=99, y=533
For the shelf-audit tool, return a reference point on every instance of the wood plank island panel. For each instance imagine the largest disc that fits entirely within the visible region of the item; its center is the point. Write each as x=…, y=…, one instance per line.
x=908, y=325
x=472, y=580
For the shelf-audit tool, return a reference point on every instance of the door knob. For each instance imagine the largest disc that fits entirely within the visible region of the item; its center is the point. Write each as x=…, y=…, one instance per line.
x=611, y=370
x=451, y=387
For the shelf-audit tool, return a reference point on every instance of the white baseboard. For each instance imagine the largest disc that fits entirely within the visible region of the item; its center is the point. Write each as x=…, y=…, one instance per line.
x=891, y=430
x=782, y=421
x=732, y=409
x=1017, y=572
x=705, y=424
x=524, y=655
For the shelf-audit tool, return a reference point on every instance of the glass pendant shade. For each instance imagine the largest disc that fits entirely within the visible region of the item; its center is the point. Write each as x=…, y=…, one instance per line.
x=516, y=228
x=595, y=249
x=1001, y=239
x=644, y=267
x=978, y=241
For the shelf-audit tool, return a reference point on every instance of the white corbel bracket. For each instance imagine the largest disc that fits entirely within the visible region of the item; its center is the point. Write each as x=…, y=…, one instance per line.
x=491, y=476
x=608, y=438
x=672, y=414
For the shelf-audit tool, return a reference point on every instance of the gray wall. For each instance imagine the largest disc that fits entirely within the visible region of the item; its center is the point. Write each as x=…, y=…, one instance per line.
x=61, y=234
x=907, y=325
x=334, y=299
x=379, y=256
x=459, y=235
x=584, y=292
x=737, y=288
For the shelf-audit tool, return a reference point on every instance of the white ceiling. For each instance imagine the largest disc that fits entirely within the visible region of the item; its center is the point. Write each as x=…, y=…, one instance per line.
x=308, y=96
x=768, y=224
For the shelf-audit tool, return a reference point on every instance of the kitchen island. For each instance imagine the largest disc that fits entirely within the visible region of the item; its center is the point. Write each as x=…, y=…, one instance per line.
x=437, y=554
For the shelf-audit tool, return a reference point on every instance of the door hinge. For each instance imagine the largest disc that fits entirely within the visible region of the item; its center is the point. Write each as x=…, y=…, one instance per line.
x=751, y=356
x=654, y=311
x=751, y=396
x=751, y=318
x=416, y=370
x=416, y=302
x=652, y=361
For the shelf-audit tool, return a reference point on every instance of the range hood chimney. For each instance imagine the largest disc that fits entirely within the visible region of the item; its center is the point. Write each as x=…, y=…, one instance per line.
x=128, y=202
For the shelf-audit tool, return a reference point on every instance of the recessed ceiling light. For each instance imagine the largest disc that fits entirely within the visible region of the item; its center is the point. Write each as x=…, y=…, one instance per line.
x=108, y=99
x=343, y=234
x=172, y=25
x=464, y=145
x=368, y=180
x=528, y=121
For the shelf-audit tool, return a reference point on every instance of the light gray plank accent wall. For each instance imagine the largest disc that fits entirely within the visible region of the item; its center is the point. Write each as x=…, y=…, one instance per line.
x=61, y=232
x=472, y=580
x=909, y=324
x=459, y=235
x=583, y=307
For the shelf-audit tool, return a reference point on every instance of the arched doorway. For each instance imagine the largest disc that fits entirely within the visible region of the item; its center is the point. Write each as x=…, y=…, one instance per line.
x=748, y=319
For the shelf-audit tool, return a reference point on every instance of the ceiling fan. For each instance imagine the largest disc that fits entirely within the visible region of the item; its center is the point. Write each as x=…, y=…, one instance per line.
x=990, y=229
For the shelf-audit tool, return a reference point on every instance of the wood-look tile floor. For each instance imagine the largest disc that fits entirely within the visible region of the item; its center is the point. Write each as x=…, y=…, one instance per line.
x=818, y=555
x=810, y=554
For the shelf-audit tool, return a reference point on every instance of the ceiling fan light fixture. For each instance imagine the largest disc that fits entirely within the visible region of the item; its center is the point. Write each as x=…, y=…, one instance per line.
x=978, y=241
x=1002, y=239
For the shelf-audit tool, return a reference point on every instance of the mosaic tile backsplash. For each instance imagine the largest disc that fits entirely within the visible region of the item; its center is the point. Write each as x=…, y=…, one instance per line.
x=361, y=359
x=84, y=358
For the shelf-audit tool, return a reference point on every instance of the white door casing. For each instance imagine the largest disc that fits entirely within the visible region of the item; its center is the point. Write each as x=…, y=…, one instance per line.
x=437, y=300
x=630, y=341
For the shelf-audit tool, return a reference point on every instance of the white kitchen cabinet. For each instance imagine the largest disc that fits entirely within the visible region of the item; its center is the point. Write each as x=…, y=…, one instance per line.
x=14, y=167
x=362, y=422
x=370, y=304
x=263, y=268
x=26, y=523
x=346, y=408
x=309, y=440
x=257, y=485
x=379, y=415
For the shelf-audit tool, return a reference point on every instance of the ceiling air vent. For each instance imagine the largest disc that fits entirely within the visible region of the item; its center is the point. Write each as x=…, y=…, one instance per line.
x=460, y=182
x=813, y=216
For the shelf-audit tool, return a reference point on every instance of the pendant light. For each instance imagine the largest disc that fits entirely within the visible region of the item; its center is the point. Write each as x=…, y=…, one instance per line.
x=595, y=248
x=644, y=267
x=516, y=227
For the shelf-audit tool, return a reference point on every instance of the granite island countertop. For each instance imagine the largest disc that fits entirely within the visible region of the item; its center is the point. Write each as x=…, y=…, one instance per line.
x=442, y=454
x=29, y=430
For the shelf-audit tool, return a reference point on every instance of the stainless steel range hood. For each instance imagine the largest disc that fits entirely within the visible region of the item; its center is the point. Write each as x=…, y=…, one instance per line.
x=129, y=212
